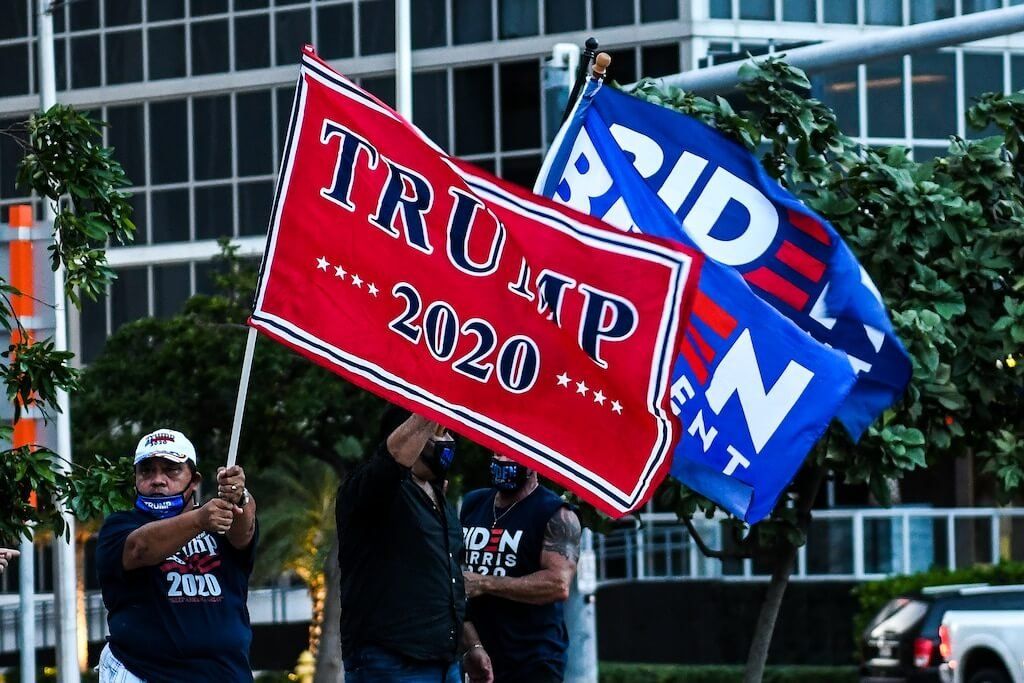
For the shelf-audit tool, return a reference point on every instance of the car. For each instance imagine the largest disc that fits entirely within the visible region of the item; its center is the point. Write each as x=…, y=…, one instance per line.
x=982, y=646
x=901, y=643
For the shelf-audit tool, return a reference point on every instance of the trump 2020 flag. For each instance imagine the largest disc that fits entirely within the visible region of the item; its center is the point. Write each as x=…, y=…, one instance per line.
x=753, y=391
x=524, y=325
x=736, y=214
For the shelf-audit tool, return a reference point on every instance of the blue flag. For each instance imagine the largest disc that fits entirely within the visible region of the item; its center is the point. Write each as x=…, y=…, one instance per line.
x=734, y=212
x=752, y=390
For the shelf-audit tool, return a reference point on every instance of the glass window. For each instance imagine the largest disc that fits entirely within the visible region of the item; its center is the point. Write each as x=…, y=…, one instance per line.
x=169, y=221
x=85, y=61
x=930, y=10
x=129, y=296
x=254, y=202
x=1016, y=72
x=93, y=327
x=167, y=52
x=201, y=7
x=720, y=9
x=521, y=170
x=612, y=13
x=285, y=98
x=428, y=23
x=122, y=12
x=124, y=57
x=250, y=4
x=126, y=135
x=520, y=105
x=982, y=74
x=564, y=15
x=474, y=110
x=13, y=70
x=334, y=28
x=10, y=154
x=214, y=212
x=383, y=87
x=471, y=21
x=139, y=216
x=518, y=18
x=85, y=14
x=838, y=90
x=934, y=94
x=883, y=12
x=757, y=9
x=430, y=111
x=254, y=146
x=924, y=154
x=293, y=32
x=971, y=6
x=172, y=285
x=373, y=15
x=211, y=138
x=210, y=47
x=840, y=11
x=60, y=53
x=252, y=42
x=885, y=99
x=168, y=142
x=658, y=10
x=660, y=60
x=205, y=272
x=798, y=10
x=159, y=10
x=15, y=23
x=623, y=66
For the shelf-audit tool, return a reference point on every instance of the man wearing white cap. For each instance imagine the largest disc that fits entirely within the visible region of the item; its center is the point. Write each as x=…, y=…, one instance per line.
x=175, y=575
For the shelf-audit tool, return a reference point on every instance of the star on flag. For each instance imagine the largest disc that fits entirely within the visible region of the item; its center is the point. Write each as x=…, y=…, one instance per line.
x=321, y=264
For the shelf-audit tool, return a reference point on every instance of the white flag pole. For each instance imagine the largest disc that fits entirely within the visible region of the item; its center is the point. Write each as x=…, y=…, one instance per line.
x=243, y=390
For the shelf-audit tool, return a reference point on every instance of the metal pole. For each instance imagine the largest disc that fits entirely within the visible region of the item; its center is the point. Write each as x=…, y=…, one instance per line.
x=876, y=45
x=243, y=390
x=27, y=610
x=580, y=618
x=403, y=58
x=64, y=593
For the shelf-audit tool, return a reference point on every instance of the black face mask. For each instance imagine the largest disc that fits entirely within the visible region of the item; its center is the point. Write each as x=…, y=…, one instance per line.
x=508, y=476
x=438, y=457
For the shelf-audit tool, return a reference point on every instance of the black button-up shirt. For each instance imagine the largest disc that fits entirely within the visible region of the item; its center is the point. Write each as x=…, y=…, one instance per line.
x=401, y=578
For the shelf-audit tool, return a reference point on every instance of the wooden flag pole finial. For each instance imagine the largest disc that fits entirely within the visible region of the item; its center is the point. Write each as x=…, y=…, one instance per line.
x=600, y=68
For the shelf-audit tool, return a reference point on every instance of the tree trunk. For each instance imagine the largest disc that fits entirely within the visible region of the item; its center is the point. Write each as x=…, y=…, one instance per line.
x=328, y=656
x=757, y=656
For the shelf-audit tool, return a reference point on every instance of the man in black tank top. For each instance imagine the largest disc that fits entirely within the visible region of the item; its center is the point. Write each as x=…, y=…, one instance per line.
x=522, y=542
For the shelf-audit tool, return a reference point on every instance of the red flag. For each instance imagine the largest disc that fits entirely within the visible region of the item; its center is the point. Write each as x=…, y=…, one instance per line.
x=523, y=325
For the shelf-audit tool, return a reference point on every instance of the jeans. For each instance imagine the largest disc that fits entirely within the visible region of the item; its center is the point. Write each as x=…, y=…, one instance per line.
x=371, y=664
x=112, y=671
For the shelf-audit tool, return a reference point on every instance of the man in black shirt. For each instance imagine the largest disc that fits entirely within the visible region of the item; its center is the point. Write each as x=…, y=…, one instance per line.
x=403, y=600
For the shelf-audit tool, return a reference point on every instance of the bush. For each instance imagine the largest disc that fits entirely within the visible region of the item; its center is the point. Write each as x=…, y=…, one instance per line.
x=612, y=672
x=874, y=595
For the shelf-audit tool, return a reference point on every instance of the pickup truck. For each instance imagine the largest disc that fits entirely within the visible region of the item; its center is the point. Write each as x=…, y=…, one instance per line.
x=982, y=646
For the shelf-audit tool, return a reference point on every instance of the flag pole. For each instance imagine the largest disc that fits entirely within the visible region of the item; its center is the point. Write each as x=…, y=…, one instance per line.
x=243, y=390
x=582, y=70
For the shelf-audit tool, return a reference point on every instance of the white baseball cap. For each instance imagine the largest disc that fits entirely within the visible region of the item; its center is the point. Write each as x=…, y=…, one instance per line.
x=168, y=444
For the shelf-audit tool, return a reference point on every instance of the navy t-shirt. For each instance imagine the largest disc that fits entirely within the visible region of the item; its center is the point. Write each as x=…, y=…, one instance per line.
x=185, y=619
x=523, y=641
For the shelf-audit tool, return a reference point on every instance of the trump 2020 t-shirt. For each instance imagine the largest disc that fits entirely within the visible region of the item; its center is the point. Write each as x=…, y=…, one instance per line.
x=184, y=619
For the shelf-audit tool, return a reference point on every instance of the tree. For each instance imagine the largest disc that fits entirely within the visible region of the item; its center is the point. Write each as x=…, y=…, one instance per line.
x=65, y=164
x=944, y=241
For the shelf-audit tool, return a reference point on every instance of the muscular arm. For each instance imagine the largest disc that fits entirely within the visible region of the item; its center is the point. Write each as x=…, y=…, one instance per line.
x=244, y=526
x=406, y=443
x=152, y=543
x=558, y=566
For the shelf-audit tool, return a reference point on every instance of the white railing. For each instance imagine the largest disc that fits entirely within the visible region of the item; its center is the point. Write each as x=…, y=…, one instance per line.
x=266, y=606
x=843, y=545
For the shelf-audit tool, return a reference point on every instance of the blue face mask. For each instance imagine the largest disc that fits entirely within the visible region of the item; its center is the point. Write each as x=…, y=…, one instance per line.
x=161, y=507
x=507, y=476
